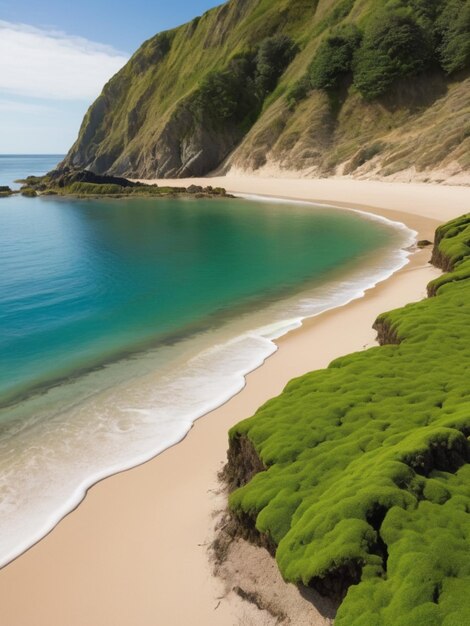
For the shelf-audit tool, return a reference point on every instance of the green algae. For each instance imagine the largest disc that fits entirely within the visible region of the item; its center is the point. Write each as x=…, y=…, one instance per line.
x=366, y=490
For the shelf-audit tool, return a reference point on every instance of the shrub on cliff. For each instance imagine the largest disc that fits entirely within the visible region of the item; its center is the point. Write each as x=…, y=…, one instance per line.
x=453, y=30
x=334, y=57
x=273, y=56
x=219, y=91
x=394, y=46
x=228, y=95
x=236, y=93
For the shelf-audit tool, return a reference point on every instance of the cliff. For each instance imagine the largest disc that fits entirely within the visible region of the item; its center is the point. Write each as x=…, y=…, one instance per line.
x=359, y=87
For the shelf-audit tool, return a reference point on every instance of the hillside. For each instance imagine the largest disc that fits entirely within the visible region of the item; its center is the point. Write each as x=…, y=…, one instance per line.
x=364, y=87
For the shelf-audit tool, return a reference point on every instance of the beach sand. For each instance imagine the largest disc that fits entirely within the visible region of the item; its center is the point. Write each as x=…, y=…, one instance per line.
x=134, y=553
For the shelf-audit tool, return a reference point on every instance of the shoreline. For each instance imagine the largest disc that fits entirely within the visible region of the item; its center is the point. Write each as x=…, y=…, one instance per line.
x=47, y=564
x=401, y=202
x=15, y=396
x=249, y=342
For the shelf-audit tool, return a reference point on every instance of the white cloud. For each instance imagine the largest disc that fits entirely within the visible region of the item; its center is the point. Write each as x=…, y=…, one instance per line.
x=49, y=64
x=17, y=106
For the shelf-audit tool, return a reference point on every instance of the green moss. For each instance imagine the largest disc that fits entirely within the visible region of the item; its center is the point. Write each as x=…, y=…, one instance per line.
x=91, y=189
x=95, y=189
x=453, y=240
x=461, y=272
x=368, y=477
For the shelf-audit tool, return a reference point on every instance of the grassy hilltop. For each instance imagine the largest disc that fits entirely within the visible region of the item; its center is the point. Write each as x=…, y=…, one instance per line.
x=367, y=87
x=357, y=477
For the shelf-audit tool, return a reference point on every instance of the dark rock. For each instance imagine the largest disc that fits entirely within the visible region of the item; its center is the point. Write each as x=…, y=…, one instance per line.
x=66, y=176
x=185, y=147
x=194, y=189
x=424, y=243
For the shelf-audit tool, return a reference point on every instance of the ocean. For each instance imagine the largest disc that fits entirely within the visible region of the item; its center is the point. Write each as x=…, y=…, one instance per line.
x=122, y=321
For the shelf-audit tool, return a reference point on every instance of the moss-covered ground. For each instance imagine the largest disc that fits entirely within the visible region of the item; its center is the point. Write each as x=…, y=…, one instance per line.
x=366, y=491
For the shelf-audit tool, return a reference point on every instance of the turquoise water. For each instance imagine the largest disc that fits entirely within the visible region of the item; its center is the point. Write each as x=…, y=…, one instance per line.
x=123, y=321
x=83, y=282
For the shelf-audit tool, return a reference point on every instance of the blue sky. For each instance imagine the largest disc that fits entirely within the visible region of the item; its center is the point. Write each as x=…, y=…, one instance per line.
x=55, y=57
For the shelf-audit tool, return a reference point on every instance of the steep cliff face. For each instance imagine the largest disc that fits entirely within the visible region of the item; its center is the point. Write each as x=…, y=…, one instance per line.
x=167, y=112
x=312, y=86
x=426, y=137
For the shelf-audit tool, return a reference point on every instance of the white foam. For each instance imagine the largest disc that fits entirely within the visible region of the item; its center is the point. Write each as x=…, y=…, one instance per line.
x=48, y=464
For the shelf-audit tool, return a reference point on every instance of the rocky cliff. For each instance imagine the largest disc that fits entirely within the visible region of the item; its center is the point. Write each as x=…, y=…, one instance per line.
x=360, y=87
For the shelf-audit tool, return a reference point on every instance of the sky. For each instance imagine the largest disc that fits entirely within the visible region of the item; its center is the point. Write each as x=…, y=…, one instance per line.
x=55, y=57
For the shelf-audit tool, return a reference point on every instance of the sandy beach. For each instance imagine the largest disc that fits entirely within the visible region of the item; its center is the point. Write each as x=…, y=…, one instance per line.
x=134, y=553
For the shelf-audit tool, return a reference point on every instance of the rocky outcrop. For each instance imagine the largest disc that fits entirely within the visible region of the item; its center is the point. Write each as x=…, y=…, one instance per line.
x=63, y=177
x=185, y=147
x=5, y=191
x=67, y=181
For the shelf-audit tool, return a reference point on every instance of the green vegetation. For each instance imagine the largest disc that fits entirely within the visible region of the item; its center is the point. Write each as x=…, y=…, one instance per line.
x=273, y=56
x=334, y=57
x=452, y=252
x=95, y=189
x=153, y=52
x=365, y=154
x=395, y=41
x=367, y=479
x=236, y=93
x=452, y=30
x=227, y=95
x=30, y=180
x=302, y=83
x=394, y=47
x=82, y=183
